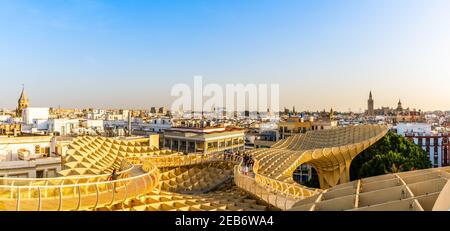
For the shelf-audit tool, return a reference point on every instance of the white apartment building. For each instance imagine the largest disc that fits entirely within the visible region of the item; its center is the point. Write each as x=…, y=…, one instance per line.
x=94, y=116
x=35, y=120
x=30, y=156
x=10, y=147
x=113, y=117
x=159, y=124
x=63, y=126
x=405, y=128
x=38, y=168
x=115, y=123
x=93, y=124
x=35, y=113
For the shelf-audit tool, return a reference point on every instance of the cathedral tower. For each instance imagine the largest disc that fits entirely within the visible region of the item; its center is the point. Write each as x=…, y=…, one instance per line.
x=370, y=111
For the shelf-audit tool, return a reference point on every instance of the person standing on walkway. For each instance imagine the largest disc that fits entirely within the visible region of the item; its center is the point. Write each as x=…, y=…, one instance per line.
x=113, y=178
x=245, y=160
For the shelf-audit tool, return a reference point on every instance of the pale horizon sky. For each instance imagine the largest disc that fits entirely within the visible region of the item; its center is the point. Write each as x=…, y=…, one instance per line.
x=128, y=54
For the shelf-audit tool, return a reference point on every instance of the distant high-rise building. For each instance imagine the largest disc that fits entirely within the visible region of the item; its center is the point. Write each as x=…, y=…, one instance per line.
x=22, y=103
x=370, y=110
x=153, y=110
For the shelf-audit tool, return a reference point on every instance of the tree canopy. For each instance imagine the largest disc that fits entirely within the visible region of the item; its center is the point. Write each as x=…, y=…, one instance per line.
x=393, y=153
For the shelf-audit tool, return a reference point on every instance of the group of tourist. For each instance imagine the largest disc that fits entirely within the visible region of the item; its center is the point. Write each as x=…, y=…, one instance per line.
x=248, y=163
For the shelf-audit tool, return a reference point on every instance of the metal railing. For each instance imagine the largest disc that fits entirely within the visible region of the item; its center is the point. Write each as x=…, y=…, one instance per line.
x=282, y=195
x=93, y=191
x=73, y=195
x=13, y=181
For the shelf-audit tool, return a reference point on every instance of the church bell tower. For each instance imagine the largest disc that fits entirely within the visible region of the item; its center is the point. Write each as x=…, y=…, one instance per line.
x=22, y=103
x=370, y=110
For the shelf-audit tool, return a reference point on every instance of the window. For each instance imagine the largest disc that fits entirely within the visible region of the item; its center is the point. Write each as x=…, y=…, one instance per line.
x=46, y=151
x=37, y=149
x=40, y=174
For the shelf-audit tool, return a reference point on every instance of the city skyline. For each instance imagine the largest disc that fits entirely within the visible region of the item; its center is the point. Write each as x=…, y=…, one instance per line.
x=100, y=54
x=282, y=108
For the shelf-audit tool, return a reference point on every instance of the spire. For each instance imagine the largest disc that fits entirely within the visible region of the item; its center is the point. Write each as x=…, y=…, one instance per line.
x=23, y=95
x=399, y=107
x=370, y=94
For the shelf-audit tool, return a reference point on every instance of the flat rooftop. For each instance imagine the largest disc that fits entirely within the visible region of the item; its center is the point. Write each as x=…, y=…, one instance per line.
x=203, y=133
x=205, y=130
x=29, y=163
x=24, y=139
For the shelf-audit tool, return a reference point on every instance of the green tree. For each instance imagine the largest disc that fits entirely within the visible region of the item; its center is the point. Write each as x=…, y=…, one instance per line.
x=393, y=153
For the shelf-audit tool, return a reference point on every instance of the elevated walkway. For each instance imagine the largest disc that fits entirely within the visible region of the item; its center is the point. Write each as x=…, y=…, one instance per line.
x=330, y=152
x=92, y=191
x=76, y=193
x=270, y=181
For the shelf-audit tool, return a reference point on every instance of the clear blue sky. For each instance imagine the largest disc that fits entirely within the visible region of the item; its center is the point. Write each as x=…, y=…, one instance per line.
x=323, y=54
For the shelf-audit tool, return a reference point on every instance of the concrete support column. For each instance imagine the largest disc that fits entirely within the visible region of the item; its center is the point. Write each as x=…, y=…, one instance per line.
x=347, y=171
x=32, y=174
x=342, y=174
x=321, y=179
